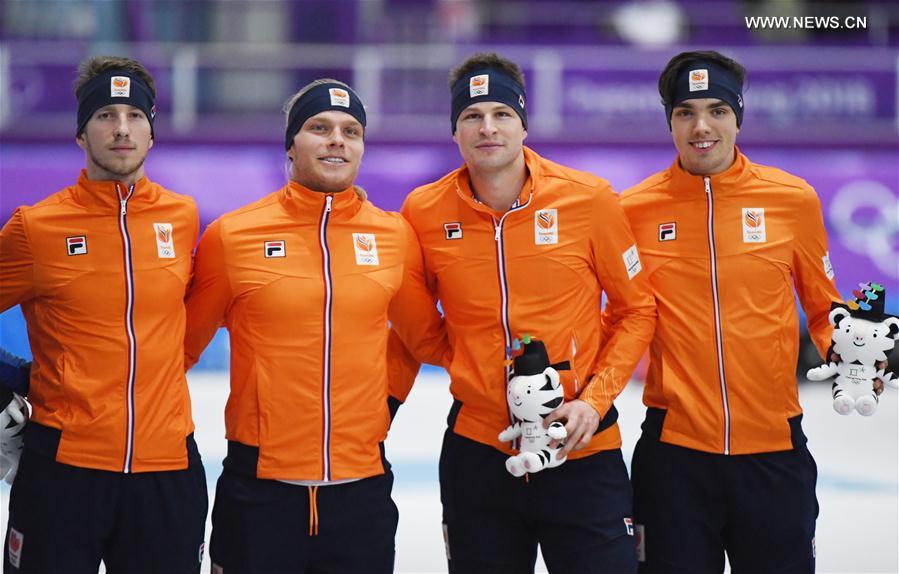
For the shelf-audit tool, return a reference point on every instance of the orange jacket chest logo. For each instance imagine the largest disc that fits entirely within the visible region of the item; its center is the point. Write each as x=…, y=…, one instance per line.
x=366, y=249
x=754, y=225
x=453, y=230
x=76, y=245
x=668, y=231
x=275, y=249
x=165, y=240
x=546, y=227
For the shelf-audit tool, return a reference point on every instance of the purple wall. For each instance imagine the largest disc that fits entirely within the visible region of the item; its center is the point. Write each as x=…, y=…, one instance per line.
x=859, y=188
x=798, y=95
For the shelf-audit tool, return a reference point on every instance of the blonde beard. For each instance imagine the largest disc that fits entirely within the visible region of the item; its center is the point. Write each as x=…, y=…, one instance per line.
x=113, y=171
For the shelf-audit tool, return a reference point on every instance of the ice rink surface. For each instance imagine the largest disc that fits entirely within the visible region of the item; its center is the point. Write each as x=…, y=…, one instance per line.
x=858, y=471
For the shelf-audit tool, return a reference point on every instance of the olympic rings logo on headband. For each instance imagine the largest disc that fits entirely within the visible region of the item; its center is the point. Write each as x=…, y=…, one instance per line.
x=866, y=216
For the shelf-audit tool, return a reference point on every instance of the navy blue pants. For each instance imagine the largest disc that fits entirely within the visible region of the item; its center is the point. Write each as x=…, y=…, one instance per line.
x=67, y=519
x=579, y=513
x=267, y=526
x=690, y=507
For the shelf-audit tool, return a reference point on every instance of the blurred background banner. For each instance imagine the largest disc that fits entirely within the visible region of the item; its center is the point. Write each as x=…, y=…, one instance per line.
x=822, y=100
x=802, y=95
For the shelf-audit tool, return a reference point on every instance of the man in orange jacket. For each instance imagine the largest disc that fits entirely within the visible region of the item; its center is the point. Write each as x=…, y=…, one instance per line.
x=722, y=463
x=110, y=470
x=517, y=245
x=304, y=279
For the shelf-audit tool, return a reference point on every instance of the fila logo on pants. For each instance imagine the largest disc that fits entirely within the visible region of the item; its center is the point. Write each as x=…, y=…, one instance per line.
x=16, y=541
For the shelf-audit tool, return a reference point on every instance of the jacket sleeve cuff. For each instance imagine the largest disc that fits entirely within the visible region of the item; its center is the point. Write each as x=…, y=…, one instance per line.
x=600, y=392
x=601, y=406
x=402, y=368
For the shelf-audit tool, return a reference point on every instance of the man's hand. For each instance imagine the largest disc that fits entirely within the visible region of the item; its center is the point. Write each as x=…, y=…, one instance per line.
x=12, y=437
x=881, y=377
x=581, y=421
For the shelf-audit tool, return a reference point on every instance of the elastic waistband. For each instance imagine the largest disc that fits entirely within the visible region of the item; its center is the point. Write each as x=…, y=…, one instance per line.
x=655, y=421
x=243, y=459
x=44, y=441
x=607, y=421
x=652, y=424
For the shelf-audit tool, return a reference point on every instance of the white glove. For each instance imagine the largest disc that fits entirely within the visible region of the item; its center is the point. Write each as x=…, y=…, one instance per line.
x=821, y=373
x=890, y=379
x=12, y=436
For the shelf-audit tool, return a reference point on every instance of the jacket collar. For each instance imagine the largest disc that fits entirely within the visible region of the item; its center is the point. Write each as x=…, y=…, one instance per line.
x=685, y=183
x=301, y=201
x=109, y=193
x=463, y=184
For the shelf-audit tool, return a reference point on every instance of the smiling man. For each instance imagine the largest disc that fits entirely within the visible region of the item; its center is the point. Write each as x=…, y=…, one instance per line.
x=304, y=279
x=517, y=245
x=722, y=463
x=110, y=470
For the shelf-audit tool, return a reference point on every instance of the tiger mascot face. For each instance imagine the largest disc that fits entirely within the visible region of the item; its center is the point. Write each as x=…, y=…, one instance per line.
x=532, y=397
x=862, y=340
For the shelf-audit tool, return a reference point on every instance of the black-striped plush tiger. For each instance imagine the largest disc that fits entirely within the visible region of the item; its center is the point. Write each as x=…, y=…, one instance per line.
x=530, y=398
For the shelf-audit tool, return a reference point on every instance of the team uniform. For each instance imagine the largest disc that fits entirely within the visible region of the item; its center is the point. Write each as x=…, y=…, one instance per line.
x=110, y=468
x=303, y=281
x=722, y=462
x=538, y=269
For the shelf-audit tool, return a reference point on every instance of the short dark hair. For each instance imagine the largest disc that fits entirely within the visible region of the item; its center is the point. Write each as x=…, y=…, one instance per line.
x=483, y=60
x=92, y=67
x=668, y=77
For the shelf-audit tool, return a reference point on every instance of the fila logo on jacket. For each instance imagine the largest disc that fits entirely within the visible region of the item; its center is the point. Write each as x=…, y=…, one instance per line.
x=365, y=247
x=752, y=220
x=162, y=232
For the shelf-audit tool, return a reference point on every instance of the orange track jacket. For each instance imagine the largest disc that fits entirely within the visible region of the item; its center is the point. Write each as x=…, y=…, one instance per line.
x=538, y=269
x=303, y=281
x=723, y=254
x=101, y=272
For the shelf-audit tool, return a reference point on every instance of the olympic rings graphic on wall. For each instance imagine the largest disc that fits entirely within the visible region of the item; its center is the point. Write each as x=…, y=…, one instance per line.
x=866, y=216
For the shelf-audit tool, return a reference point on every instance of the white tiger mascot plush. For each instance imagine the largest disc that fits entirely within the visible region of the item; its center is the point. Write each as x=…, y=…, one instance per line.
x=533, y=392
x=862, y=337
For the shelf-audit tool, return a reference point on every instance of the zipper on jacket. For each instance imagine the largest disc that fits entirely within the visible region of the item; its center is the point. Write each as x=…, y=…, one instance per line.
x=326, y=347
x=504, y=302
x=719, y=347
x=577, y=383
x=129, y=321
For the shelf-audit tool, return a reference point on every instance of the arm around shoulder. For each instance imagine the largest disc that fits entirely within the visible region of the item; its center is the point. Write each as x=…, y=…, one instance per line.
x=418, y=334
x=208, y=296
x=630, y=315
